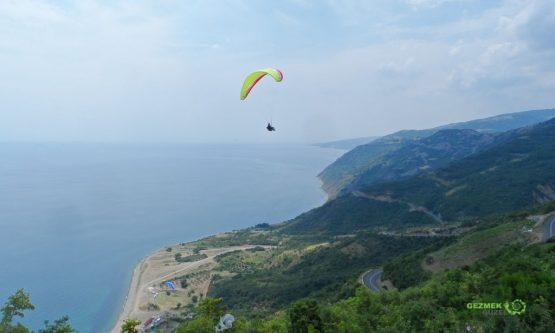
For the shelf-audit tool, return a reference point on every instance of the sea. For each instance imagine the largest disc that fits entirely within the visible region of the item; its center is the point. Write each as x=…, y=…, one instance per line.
x=76, y=218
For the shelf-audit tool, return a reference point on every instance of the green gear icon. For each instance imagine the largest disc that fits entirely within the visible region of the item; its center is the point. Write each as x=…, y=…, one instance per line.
x=515, y=307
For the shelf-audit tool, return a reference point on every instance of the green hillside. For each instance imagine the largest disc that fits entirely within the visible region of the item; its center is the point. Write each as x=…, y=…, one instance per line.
x=437, y=303
x=510, y=176
x=351, y=213
x=514, y=174
x=425, y=154
x=445, y=237
x=327, y=271
x=354, y=169
x=321, y=253
x=340, y=173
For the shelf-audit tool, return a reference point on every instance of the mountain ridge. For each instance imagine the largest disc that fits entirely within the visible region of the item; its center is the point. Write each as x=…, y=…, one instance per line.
x=344, y=172
x=516, y=173
x=437, y=233
x=512, y=175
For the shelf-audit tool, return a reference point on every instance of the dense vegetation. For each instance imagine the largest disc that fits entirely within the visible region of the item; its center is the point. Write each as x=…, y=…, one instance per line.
x=349, y=213
x=514, y=174
x=340, y=173
x=239, y=237
x=308, y=283
x=438, y=305
x=348, y=170
x=406, y=270
x=193, y=257
x=425, y=154
x=517, y=172
x=510, y=176
x=326, y=272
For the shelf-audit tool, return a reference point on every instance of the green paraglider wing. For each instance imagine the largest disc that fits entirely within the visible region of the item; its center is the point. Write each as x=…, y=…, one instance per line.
x=253, y=78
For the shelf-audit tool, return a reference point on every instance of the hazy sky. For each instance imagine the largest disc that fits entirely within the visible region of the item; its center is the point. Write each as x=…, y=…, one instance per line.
x=171, y=70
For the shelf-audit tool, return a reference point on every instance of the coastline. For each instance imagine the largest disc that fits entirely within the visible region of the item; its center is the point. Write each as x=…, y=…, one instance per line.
x=129, y=306
x=121, y=312
x=153, y=270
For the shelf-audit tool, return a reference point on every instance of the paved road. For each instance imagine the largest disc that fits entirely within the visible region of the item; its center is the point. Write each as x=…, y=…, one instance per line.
x=371, y=279
x=549, y=228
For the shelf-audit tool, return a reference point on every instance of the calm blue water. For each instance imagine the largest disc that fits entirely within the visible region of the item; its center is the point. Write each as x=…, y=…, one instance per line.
x=76, y=218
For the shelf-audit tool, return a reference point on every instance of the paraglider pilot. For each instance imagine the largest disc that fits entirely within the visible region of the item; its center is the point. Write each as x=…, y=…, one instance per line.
x=253, y=78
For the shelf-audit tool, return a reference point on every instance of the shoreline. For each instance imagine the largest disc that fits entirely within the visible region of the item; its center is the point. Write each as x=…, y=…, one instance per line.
x=127, y=310
x=149, y=275
x=118, y=320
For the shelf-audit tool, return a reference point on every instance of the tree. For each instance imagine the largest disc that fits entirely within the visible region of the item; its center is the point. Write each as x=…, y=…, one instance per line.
x=60, y=326
x=14, y=306
x=211, y=308
x=197, y=325
x=304, y=316
x=130, y=326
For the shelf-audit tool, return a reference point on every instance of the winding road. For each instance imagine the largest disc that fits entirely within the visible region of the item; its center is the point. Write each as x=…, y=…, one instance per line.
x=549, y=228
x=371, y=279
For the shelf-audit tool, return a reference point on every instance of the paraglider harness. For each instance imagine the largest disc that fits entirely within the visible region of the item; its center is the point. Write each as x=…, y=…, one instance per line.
x=270, y=128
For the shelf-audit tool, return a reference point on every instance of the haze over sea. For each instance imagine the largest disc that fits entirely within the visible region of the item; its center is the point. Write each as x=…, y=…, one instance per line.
x=76, y=218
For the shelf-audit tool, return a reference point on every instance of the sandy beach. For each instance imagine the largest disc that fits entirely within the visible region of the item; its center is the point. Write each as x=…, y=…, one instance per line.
x=148, y=298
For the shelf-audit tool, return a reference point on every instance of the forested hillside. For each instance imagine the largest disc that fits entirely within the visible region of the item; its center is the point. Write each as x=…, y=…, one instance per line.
x=428, y=153
x=326, y=271
x=353, y=170
x=510, y=176
x=465, y=232
x=518, y=269
x=514, y=174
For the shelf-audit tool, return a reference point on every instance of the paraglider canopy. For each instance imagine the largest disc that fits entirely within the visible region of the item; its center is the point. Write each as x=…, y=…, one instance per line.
x=254, y=77
x=170, y=284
